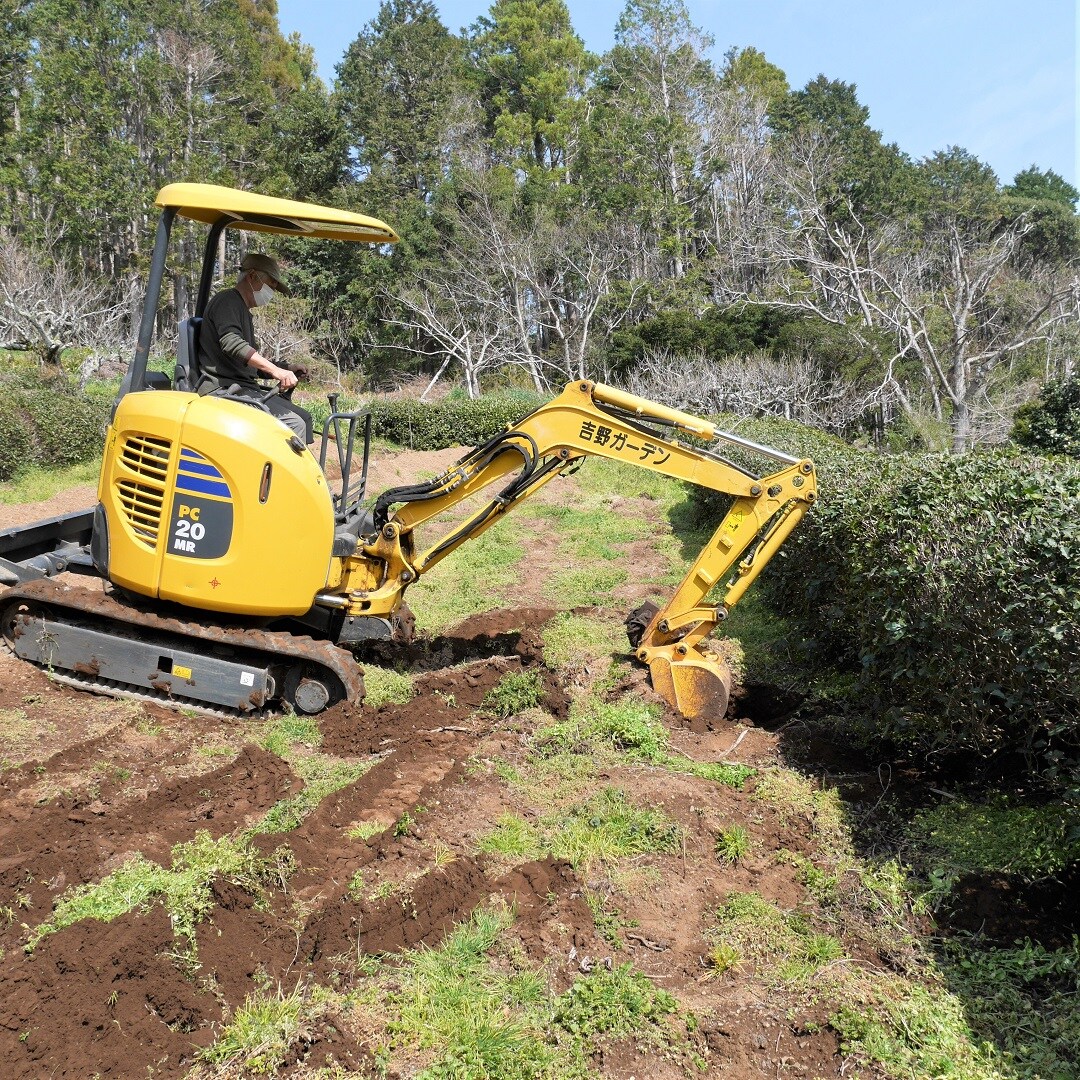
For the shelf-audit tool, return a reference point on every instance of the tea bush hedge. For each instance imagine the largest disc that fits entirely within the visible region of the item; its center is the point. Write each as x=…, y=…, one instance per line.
x=949, y=585
x=451, y=421
x=49, y=423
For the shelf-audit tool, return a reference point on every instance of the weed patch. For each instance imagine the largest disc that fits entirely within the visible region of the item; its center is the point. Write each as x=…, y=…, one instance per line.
x=263, y=1030
x=617, y=1002
x=603, y=829
x=184, y=888
x=515, y=692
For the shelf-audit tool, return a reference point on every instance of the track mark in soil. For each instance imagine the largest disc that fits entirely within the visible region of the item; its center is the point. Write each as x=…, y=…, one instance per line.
x=70, y=841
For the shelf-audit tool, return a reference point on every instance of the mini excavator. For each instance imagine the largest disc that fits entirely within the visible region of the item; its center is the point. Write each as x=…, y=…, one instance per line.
x=239, y=579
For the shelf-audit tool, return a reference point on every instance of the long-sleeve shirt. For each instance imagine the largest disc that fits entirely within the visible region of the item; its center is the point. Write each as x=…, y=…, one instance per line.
x=227, y=340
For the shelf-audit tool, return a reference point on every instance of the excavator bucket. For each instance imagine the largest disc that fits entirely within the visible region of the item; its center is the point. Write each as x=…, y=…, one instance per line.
x=694, y=684
x=691, y=682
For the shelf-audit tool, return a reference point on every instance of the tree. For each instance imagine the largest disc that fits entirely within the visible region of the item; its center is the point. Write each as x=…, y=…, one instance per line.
x=1035, y=184
x=647, y=131
x=46, y=307
x=869, y=176
x=945, y=296
x=531, y=68
x=1051, y=423
x=747, y=71
x=395, y=89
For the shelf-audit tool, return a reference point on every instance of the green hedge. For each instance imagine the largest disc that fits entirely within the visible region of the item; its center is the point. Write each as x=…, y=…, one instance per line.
x=949, y=586
x=451, y=421
x=49, y=424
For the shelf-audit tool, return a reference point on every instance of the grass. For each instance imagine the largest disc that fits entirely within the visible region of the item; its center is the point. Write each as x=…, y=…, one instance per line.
x=453, y=1012
x=364, y=830
x=732, y=844
x=1000, y=835
x=911, y=1031
x=284, y=732
x=19, y=733
x=384, y=686
x=606, y=480
x=765, y=641
x=797, y=797
x=572, y=641
x=470, y=580
x=601, y=830
x=584, y=586
x=38, y=484
x=184, y=887
x=633, y=730
x=473, y=1007
x=322, y=775
x=780, y=944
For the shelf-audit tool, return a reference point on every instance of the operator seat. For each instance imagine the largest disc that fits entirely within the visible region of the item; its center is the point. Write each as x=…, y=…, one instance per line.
x=188, y=374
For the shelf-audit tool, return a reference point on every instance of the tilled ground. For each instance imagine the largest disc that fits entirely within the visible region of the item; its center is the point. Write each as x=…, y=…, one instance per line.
x=124, y=998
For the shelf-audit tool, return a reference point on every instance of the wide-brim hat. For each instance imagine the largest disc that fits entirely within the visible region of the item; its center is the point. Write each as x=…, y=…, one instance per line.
x=264, y=264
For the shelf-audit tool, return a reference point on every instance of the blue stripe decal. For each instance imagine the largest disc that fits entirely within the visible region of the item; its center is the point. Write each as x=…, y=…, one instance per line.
x=204, y=487
x=185, y=452
x=200, y=468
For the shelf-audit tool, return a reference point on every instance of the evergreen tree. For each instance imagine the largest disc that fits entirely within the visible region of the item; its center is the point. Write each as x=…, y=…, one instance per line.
x=1047, y=185
x=867, y=175
x=532, y=69
x=394, y=91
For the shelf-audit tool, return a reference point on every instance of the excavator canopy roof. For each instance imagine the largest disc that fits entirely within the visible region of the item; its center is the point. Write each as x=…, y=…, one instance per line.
x=209, y=203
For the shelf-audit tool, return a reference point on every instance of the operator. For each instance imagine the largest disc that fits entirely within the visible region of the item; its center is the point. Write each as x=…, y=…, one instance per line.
x=228, y=354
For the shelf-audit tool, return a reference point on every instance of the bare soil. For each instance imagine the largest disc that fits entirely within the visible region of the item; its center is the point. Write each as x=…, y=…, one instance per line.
x=88, y=781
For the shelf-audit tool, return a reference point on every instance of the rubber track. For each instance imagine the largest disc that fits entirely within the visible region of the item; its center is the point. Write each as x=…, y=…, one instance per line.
x=282, y=646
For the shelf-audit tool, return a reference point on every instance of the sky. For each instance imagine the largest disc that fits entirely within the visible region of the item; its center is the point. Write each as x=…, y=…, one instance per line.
x=996, y=77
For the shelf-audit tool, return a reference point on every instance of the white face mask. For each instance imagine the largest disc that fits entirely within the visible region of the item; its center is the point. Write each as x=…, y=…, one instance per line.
x=262, y=295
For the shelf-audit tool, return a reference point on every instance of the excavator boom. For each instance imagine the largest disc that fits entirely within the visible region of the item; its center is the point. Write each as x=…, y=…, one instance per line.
x=590, y=419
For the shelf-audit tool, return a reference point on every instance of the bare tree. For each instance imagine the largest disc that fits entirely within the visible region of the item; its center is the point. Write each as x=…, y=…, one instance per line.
x=521, y=290
x=459, y=314
x=946, y=295
x=755, y=385
x=47, y=307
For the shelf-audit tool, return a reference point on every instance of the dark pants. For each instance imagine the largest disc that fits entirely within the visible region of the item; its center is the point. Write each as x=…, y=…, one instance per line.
x=295, y=418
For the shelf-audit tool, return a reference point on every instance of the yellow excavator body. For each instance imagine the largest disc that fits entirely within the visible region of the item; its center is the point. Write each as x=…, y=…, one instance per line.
x=213, y=504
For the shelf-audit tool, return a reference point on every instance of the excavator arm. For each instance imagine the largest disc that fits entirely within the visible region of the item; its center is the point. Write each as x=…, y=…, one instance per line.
x=589, y=419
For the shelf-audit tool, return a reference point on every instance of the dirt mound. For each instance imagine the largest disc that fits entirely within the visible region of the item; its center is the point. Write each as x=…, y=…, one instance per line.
x=102, y=999
x=494, y=643
x=76, y=838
